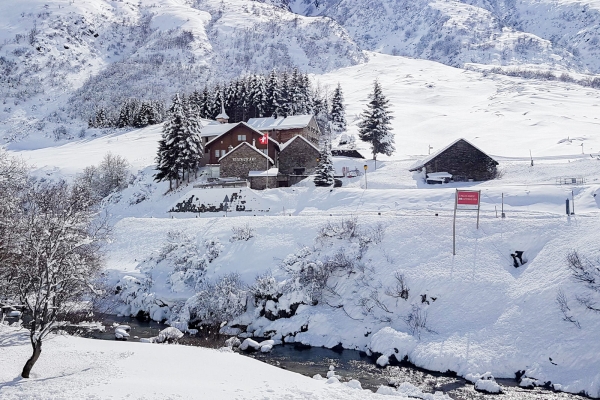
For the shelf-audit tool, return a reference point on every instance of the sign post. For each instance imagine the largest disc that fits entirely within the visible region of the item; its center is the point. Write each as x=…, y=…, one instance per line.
x=365, y=166
x=465, y=200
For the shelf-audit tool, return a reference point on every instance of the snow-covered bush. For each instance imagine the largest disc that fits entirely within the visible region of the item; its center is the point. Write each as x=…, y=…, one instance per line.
x=244, y=232
x=112, y=175
x=265, y=287
x=216, y=302
x=186, y=258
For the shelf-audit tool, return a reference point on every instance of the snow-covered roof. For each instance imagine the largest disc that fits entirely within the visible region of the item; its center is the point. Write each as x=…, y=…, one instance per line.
x=231, y=126
x=280, y=123
x=215, y=129
x=286, y=144
x=270, y=172
x=252, y=147
x=421, y=163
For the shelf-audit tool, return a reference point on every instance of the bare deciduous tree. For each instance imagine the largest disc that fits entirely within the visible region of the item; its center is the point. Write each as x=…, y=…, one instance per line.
x=56, y=256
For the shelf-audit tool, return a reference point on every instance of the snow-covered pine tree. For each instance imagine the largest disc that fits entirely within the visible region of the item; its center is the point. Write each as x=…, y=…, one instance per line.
x=375, y=125
x=145, y=116
x=257, y=96
x=338, y=111
x=204, y=106
x=273, y=91
x=320, y=106
x=285, y=108
x=324, y=174
x=190, y=145
x=127, y=113
x=296, y=99
x=168, y=163
x=306, y=94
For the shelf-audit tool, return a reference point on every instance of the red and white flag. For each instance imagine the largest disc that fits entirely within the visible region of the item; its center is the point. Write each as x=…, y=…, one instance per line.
x=264, y=139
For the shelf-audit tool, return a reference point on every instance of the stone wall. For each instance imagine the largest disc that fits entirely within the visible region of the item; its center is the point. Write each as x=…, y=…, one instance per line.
x=259, y=182
x=298, y=154
x=464, y=162
x=241, y=161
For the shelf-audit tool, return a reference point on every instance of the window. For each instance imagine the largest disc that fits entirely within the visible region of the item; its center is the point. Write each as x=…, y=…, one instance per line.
x=241, y=138
x=218, y=153
x=264, y=151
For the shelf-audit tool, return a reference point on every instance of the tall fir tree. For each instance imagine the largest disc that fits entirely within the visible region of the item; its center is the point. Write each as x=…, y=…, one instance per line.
x=145, y=116
x=324, y=174
x=180, y=149
x=338, y=110
x=273, y=90
x=257, y=96
x=375, y=125
x=285, y=108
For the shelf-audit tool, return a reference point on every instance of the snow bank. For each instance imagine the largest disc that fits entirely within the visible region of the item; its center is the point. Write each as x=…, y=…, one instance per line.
x=390, y=342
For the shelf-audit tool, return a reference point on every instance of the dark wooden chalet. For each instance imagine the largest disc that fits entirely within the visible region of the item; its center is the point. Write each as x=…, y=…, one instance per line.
x=231, y=136
x=462, y=160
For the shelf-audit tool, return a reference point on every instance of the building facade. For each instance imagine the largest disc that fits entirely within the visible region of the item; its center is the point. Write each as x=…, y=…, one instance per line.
x=232, y=136
x=283, y=129
x=240, y=161
x=462, y=160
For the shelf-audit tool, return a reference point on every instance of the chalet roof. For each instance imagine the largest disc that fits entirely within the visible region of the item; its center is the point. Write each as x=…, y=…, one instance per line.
x=281, y=123
x=231, y=126
x=249, y=145
x=421, y=163
x=215, y=129
x=286, y=144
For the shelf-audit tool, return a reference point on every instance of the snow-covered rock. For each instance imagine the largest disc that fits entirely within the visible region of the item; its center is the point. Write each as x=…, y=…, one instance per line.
x=121, y=334
x=249, y=344
x=233, y=342
x=169, y=335
x=354, y=384
x=484, y=383
x=383, y=361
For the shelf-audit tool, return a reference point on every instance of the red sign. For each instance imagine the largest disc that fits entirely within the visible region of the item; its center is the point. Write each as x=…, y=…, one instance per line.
x=264, y=139
x=467, y=198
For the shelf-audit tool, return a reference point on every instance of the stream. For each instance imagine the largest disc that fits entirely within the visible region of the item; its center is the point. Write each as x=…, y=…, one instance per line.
x=349, y=364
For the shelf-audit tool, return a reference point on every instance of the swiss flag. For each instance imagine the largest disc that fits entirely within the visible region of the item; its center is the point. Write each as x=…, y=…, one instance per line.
x=264, y=139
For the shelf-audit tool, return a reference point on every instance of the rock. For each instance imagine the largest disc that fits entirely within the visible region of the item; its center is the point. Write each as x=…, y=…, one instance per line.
x=528, y=383
x=249, y=344
x=318, y=377
x=333, y=379
x=121, y=334
x=125, y=328
x=486, y=383
x=354, y=384
x=330, y=374
x=383, y=361
x=169, y=335
x=233, y=342
x=266, y=348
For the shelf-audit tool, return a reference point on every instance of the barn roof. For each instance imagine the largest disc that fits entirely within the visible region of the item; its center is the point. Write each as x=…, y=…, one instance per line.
x=280, y=123
x=421, y=163
x=252, y=147
x=286, y=144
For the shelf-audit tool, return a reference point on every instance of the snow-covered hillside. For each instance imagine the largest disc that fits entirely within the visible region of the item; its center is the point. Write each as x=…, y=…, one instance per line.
x=486, y=316
x=549, y=34
x=61, y=60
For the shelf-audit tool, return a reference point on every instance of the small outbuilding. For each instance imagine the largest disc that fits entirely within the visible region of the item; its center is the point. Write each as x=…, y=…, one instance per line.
x=298, y=158
x=460, y=161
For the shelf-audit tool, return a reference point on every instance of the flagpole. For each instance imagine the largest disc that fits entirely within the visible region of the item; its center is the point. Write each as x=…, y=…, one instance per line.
x=267, y=181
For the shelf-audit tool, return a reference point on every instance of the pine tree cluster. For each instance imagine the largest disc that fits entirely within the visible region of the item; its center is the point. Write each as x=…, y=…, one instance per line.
x=133, y=113
x=254, y=96
x=180, y=148
x=324, y=174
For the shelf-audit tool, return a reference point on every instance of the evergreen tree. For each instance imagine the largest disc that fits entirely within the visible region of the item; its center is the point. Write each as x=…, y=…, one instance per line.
x=296, y=99
x=306, y=96
x=145, y=116
x=338, y=112
x=321, y=110
x=285, y=108
x=324, y=174
x=273, y=92
x=180, y=149
x=204, y=106
x=257, y=96
x=127, y=113
x=375, y=125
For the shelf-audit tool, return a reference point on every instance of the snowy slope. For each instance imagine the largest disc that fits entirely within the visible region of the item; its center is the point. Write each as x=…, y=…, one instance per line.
x=548, y=33
x=60, y=60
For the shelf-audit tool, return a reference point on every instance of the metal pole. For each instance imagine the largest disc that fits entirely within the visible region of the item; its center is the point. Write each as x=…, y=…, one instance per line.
x=267, y=179
x=478, y=207
x=502, y=213
x=573, y=201
x=365, y=178
x=454, y=225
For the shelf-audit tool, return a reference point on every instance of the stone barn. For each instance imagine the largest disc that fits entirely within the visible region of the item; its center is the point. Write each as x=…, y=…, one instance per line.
x=298, y=158
x=460, y=161
x=243, y=159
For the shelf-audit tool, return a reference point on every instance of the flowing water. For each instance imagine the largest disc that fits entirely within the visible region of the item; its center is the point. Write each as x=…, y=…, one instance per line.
x=349, y=364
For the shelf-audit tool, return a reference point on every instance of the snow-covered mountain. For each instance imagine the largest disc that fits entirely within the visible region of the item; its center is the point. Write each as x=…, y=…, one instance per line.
x=60, y=60
x=561, y=34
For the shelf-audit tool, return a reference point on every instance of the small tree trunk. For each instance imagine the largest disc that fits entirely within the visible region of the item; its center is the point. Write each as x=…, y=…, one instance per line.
x=37, y=350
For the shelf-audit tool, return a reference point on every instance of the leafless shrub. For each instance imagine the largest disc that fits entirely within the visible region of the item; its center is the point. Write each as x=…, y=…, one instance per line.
x=242, y=233
x=400, y=290
x=588, y=303
x=584, y=271
x=416, y=321
x=345, y=229
x=563, y=305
